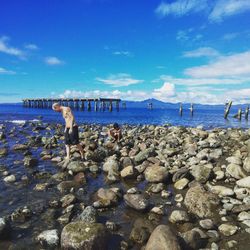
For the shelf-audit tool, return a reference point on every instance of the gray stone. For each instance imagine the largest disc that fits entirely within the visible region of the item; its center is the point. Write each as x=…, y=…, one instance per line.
x=178, y=216
x=49, y=238
x=156, y=173
x=10, y=179
x=89, y=215
x=163, y=238
x=246, y=164
x=245, y=182
x=228, y=229
x=136, y=201
x=143, y=155
x=235, y=171
x=201, y=173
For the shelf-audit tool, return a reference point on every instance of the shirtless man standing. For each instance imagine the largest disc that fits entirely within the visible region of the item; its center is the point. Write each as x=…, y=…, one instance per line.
x=71, y=129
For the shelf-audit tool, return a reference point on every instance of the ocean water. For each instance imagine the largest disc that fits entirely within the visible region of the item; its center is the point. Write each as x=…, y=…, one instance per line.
x=206, y=116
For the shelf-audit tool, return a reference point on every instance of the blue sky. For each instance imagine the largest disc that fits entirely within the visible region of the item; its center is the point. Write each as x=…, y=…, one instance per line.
x=184, y=50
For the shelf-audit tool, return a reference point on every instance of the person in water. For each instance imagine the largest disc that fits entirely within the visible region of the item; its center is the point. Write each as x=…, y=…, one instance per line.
x=115, y=132
x=71, y=129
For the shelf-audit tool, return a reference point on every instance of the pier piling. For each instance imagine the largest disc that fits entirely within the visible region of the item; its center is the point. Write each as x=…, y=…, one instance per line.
x=247, y=112
x=227, y=109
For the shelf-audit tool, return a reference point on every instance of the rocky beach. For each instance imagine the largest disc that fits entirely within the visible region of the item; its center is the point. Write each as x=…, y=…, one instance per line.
x=159, y=188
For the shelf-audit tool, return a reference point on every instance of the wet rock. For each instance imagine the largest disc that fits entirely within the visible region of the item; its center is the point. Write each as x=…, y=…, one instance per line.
x=156, y=173
x=3, y=226
x=178, y=216
x=162, y=238
x=192, y=239
x=136, y=201
x=158, y=210
x=245, y=182
x=30, y=161
x=66, y=186
x=21, y=214
x=112, y=226
x=49, y=238
x=201, y=202
x=111, y=164
x=143, y=155
x=76, y=166
x=97, y=156
x=228, y=229
x=235, y=171
x=246, y=164
x=89, y=215
x=80, y=178
x=244, y=216
x=106, y=198
x=3, y=152
x=67, y=200
x=207, y=224
x=220, y=190
x=234, y=160
x=141, y=230
x=128, y=172
x=156, y=188
x=201, y=173
x=10, y=179
x=241, y=208
x=20, y=147
x=181, y=184
x=85, y=236
x=165, y=194
x=41, y=187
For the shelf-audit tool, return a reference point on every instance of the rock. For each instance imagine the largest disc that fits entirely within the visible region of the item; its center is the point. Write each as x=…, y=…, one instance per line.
x=201, y=202
x=143, y=155
x=221, y=190
x=80, y=178
x=67, y=200
x=181, y=184
x=158, y=210
x=219, y=175
x=21, y=214
x=178, y=216
x=66, y=186
x=49, y=238
x=206, y=224
x=241, y=208
x=234, y=160
x=228, y=229
x=84, y=236
x=106, y=198
x=20, y=147
x=201, y=173
x=165, y=194
x=10, y=179
x=156, y=173
x=30, y=162
x=245, y=182
x=41, y=187
x=136, y=201
x=246, y=164
x=2, y=226
x=111, y=164
x=76, y=166
x=244, y=216
x=141, y=230
x=89, y=215
x=128, y=172
x=162, y=238
x=192, y=239
x=235, y=171
x=156, y=188
x=3, y=152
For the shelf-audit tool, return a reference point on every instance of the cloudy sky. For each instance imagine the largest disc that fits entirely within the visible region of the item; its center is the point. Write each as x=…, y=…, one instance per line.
x=173, y=50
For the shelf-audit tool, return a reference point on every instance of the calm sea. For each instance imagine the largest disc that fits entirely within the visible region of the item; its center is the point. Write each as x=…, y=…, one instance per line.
x=207, y=116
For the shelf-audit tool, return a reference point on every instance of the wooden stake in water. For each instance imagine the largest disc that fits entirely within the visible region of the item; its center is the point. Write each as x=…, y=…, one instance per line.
x=181, y=110
x=247, y=112
x=239, y=113
x=227, y=109
x=192, y=109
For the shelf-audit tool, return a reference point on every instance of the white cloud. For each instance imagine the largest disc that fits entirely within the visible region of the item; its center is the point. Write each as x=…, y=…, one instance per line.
x=181, y=7
x=234, y=66
x=7, y=49
x=226, y=8
x=4, y=71
x=202, y=52
x=31, y=46
x=123, y=53
x=119, y=80
x=52, y=60
x=165, y=91
x=215, y=11
x=188, y=35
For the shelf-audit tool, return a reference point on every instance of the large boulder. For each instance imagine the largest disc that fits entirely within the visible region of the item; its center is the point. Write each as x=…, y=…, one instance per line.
x=84, y=236
x=235, y=171
x=156, y=173
x=162, y=238
x=201, y=202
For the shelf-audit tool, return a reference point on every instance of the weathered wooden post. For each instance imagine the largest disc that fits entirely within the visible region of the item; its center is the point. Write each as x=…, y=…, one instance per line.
x=76, y=104
x=96, y=105
x=192, y=109
x=110, y=106
x=89, y=105
x=124, y=105
x=117, y=105
x=227, y=109
x=239, y=113
x=181, y=110
x=247, y=112
x=81, y=104
x=150, y=105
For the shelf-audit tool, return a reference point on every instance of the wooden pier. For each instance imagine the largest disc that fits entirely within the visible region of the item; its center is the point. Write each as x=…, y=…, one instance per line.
x=96, y=104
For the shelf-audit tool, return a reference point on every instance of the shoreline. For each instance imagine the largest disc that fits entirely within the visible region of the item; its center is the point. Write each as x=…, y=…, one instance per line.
x=181, y=183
